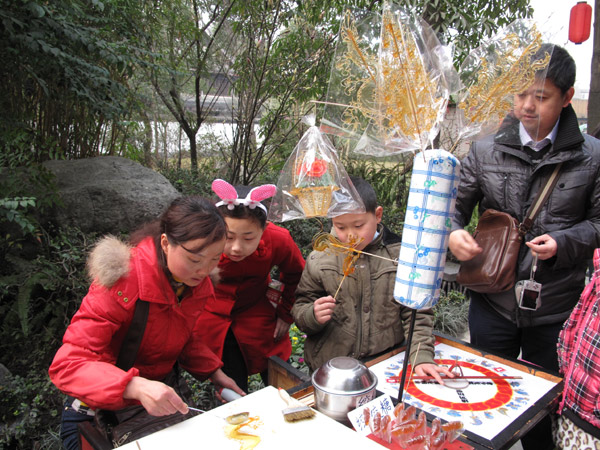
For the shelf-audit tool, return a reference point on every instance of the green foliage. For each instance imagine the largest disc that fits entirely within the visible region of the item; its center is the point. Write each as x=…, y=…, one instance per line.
x=26, y=191
x=14, y=210
x=303, y=232
x=473, y=222
x=39, y=296
x=41, y=287
x=29, y=405
x=464, y=24
x=389, y=179
x=65, y=67
x=203, y=392
x=190, y=182
x=297, y=357
x=451, y=313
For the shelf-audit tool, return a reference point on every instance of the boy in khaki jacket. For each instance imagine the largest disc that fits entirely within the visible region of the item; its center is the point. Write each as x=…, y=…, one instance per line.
x=364, y=319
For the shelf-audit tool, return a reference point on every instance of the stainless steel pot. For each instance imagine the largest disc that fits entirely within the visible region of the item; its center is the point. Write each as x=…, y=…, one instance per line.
x=341, y=385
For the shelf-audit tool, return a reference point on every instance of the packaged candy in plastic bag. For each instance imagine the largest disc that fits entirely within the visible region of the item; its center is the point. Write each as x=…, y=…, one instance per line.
x=313, y=182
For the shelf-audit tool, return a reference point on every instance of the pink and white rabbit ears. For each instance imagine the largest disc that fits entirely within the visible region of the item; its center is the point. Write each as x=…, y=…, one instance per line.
x=229, y=195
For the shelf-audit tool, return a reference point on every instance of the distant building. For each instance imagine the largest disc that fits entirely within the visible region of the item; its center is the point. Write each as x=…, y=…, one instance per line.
x=580, y=106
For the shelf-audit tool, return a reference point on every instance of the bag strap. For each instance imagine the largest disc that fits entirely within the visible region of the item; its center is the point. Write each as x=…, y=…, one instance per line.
x=133, y=338
x=541, y=198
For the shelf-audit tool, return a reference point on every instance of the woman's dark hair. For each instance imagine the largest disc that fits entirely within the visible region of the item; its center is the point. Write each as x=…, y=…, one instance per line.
x=244, y=212
x=186, y=219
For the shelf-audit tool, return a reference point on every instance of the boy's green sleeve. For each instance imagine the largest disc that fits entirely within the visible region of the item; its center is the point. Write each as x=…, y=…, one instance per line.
x=309, y=289
x=423, y=341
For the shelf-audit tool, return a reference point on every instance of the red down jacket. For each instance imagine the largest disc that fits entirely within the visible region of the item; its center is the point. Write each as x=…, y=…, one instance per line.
x=84, y=367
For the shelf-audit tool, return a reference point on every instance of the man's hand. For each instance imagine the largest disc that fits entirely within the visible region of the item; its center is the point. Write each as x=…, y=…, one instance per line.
x=433, y=370
x=323, y=309
x=544, y=246
x=463, y=246
x=156, y=397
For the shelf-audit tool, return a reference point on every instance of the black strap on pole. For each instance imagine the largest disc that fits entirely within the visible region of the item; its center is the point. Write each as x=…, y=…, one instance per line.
x=411, y=329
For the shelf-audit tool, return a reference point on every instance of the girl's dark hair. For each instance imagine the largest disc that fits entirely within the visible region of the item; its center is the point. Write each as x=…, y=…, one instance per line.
x=244, y=212
x=186, y=219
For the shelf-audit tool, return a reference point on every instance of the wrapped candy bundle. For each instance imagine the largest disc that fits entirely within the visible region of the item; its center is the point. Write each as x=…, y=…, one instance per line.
x=396, y=95
x=314, y=185
x=313, y=182
x=502, y=66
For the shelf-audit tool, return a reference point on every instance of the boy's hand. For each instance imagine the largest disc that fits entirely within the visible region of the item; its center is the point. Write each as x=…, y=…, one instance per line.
x=433, y=370
x=463, y=246
x=323, y=309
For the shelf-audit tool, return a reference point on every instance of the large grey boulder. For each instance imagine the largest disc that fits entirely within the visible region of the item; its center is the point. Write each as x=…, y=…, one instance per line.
x=109, y=194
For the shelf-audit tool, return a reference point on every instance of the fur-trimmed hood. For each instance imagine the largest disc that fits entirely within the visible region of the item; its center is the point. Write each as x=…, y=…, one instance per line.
x=109, y=261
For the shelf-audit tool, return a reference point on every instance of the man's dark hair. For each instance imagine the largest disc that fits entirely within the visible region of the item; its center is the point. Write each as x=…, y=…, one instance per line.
x=366, y=192
x=561, y=69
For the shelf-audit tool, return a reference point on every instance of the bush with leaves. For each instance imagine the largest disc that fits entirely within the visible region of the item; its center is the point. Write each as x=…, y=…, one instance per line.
x=39, y=293
x=29, y=406
x=451, y=313
x=297, y=358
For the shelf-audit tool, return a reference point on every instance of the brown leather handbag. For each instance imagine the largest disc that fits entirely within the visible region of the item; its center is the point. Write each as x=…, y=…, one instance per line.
x=500, y=236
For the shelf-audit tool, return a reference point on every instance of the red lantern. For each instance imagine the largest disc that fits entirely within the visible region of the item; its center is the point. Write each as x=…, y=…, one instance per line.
x=580, y=22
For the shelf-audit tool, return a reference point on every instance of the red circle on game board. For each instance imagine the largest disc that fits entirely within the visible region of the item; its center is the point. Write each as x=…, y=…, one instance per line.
x=503, y=394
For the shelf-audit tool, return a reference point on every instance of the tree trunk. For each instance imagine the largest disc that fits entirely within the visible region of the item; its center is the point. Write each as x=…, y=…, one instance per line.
x=594, y=97
x=147, y=141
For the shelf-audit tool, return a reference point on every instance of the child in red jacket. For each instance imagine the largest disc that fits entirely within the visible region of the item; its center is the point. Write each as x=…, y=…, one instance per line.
x=241, y=324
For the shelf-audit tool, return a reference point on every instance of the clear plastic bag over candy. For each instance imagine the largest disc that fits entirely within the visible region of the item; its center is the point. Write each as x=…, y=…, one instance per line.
x=501, y=67
x=313, y=182
x=389, y=86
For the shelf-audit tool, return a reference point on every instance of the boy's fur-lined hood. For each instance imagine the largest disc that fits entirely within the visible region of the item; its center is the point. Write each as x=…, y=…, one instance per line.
x=109, y=261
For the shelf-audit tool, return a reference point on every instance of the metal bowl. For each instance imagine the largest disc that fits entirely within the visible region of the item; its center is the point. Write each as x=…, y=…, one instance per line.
x=341, y=385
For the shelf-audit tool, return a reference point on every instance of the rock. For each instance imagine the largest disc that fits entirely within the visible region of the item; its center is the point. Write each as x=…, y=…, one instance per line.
x=4, y=374
x=109, y=194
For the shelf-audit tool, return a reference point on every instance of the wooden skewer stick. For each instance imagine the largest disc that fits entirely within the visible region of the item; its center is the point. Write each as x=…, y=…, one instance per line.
x=333, y=104
x=394, y=379
x=364, y=253
x=339, y=287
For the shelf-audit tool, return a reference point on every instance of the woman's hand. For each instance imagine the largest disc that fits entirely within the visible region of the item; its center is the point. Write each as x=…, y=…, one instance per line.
x=433, y=370
x=281, y=328
x=220, y=381
x=323, y=309
x=156, y=397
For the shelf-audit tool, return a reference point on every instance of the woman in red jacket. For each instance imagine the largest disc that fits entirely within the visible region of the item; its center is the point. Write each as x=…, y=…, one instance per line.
x=240, y=323
x=167, y=268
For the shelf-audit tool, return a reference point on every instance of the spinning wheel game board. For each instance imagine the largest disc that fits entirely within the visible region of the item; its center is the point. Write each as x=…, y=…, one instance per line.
x=495, y=412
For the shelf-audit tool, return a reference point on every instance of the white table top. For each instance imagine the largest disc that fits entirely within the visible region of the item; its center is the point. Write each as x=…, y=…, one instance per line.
x=209, y=430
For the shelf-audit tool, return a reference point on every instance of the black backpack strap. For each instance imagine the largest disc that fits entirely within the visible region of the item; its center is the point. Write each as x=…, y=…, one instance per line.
x=133, y=338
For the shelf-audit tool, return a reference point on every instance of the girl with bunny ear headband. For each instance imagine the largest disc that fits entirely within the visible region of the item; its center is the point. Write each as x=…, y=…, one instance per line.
x=241, y=325
x=230, y=197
